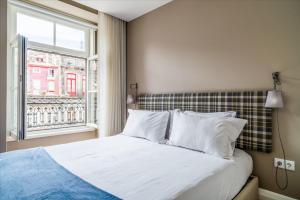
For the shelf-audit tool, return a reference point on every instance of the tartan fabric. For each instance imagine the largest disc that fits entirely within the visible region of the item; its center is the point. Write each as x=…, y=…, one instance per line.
x=249, y=105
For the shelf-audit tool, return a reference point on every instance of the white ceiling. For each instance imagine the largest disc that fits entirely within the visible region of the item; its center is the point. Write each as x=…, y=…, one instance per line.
x=124, y=9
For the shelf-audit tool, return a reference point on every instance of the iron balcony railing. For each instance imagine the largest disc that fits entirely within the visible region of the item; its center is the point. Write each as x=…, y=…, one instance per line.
x=55, y=112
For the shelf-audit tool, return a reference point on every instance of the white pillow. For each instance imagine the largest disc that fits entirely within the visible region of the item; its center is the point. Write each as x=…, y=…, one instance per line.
x=147, y=124
x=213, y=135
x=213, y=114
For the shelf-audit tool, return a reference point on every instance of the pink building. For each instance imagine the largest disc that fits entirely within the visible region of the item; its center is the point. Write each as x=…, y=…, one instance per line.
x=43, y=80
x=54, y=75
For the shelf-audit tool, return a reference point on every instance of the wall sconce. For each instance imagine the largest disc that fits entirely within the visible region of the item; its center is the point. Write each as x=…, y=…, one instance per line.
x=274, y=100
x=133, y=94
x=130, y=99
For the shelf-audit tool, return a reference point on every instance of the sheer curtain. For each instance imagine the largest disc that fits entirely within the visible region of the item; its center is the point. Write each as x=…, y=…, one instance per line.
x=112, y=75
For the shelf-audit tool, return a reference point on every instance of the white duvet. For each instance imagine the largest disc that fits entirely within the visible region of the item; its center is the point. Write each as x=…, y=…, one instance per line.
x=132, y=168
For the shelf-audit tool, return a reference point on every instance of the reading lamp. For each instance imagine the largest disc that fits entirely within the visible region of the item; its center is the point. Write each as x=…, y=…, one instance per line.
x=132, y=98
x=274, y=100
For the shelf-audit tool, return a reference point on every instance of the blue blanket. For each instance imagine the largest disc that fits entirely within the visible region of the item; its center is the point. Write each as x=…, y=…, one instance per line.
x=33, y=175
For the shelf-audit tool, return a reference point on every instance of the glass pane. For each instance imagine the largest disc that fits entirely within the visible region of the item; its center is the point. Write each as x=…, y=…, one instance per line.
x=70, y=38
x=92, y=92
x=55, y=97
x=36, y=30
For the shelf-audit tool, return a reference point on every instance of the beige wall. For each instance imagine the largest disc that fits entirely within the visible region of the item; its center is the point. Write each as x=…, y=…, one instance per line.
x=225, y=45
x=52, y=140
x=3, y=59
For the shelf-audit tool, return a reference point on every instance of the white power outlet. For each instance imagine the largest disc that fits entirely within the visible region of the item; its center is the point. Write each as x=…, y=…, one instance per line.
x=289, y=164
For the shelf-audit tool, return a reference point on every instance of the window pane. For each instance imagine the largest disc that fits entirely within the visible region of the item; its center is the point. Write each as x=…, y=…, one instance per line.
x=36, y=30
x=92, y=88
x=55, y=97
x=70, y=38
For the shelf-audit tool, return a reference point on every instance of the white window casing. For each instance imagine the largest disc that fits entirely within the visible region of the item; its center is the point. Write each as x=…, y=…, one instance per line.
x=58, y=20
x=89, y=30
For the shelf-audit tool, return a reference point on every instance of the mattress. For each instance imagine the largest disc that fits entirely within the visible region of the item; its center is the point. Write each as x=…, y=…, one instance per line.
x=133, y=168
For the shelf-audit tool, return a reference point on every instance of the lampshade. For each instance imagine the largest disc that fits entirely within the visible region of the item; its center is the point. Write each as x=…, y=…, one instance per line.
x=274, y=99
x=130, y=99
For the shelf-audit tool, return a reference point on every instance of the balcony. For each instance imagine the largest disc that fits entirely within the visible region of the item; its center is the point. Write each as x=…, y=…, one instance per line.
x=45, y=113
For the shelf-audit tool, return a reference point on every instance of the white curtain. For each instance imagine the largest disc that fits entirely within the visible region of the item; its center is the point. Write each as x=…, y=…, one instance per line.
x=112, y=75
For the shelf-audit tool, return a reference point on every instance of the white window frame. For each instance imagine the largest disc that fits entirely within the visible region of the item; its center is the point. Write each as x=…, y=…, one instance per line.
x=87, y=90
x=90, y=30
x=14, y=9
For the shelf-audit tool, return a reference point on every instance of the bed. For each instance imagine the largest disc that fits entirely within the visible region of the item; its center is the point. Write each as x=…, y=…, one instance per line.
x=123, y=167
x=133, y=168
x=140, y=169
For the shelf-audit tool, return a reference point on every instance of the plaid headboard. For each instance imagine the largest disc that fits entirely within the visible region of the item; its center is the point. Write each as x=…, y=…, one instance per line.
x=257, y=134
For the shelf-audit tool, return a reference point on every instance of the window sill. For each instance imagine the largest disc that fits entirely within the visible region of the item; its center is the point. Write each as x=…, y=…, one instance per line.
x=57, y=132
x=11, y=138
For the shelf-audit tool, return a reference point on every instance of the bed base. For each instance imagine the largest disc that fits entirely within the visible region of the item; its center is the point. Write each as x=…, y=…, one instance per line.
x=249, y=191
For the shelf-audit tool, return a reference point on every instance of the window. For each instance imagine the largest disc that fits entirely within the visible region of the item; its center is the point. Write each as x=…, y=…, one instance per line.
x=43, y=30
x=51, y=73
x=47, y=32
x=71, y=84
x=53, y=33
x=92, y=89
x=51, y=86
x=56, y=67
x=36, y=85
x=70, y=38
x=36, y=70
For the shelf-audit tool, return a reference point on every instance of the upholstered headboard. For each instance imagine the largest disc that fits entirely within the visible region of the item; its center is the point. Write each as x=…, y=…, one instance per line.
x=257, y=134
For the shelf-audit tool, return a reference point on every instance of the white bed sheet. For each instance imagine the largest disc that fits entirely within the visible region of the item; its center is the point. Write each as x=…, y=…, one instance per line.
x=133, y=168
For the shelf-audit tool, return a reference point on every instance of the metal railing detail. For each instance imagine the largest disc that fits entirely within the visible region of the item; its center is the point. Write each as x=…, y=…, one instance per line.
x=55, y=112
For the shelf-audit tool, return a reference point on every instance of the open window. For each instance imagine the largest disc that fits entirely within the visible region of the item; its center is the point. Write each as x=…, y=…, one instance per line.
x=49, y=69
